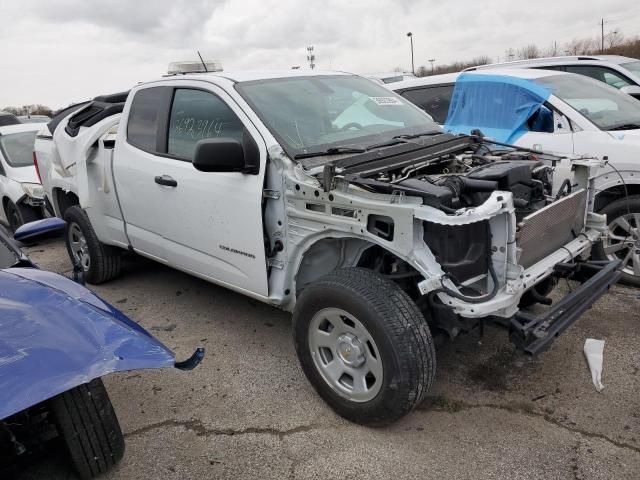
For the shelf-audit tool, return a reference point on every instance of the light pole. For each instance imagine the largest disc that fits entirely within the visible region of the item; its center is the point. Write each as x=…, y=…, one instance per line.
x=410, y=35
x=311, y=57
x=431, y=60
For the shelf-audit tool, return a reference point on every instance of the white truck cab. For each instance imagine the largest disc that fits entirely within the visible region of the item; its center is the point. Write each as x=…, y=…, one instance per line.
x=326, y=195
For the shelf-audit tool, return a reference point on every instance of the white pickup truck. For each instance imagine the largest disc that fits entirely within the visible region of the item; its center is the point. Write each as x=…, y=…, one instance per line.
x=327, y=195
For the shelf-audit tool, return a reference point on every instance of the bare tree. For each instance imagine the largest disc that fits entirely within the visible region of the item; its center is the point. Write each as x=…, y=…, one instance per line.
x=528, y=52
x=422, y=71
x=613, y=39
x=509, y=54
x=482, y=60
x=35, y=109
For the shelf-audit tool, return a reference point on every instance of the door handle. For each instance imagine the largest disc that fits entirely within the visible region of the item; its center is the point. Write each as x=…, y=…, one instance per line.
x=166, y=180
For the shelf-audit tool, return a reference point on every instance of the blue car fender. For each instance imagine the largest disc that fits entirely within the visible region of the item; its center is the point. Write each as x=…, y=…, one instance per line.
x=56, y=335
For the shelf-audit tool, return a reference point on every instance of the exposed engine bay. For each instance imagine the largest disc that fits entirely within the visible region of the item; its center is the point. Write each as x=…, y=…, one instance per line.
x=453, y=178
x=455, y=175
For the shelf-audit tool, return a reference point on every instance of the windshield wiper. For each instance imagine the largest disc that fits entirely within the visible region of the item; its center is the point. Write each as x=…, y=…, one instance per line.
x=626, y=126
x=423, y=134
x=397, y=139
x=329, y=151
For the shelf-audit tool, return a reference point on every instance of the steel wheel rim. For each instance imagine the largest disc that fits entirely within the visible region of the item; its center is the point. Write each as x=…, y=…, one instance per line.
x=345, y=355
x=78, y=247
x=623, y=242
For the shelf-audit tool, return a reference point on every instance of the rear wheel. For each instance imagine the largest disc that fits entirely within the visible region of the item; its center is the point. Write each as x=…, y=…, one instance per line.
x=364, y=346
x=89, y=428
x=18, y=215
x=99, y=262
x=623, y=241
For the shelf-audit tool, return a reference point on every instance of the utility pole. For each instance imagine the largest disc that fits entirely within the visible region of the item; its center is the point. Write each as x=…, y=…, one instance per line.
x=410, y=35
x=602, y=36
x=311, y=57
x=555, y=48
x=432, y=60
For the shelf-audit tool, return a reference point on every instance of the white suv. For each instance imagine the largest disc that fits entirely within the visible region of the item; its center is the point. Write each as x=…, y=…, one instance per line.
x=619, y=72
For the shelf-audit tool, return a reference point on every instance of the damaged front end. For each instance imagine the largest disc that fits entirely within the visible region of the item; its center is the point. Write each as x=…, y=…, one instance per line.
x=465, y=226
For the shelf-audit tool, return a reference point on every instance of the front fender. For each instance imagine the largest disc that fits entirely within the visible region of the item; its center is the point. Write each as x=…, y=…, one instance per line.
x=56, y=335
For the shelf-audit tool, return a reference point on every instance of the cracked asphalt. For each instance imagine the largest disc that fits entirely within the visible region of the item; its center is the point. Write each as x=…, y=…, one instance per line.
x=248, y=412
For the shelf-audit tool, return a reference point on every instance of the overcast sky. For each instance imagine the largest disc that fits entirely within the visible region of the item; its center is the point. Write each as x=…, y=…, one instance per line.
x=64, y=51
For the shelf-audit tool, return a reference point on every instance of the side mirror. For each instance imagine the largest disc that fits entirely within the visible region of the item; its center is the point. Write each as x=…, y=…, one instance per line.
x=32, y=231
x=227, y=155
x=633, y=90
x=541, y=120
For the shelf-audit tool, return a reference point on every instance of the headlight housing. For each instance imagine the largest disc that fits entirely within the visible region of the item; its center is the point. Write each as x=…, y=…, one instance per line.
x=33, y=190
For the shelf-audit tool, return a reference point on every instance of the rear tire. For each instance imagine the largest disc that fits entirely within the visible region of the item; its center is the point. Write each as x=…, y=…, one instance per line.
x=99, y=262
x=623, y=218
x=18, y=215
x=380, y=342
x=89, y=428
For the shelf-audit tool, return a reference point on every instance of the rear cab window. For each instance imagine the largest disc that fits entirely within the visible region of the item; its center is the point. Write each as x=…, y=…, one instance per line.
x=147, y=116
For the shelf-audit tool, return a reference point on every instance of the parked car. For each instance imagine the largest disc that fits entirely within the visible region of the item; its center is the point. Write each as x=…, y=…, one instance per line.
x=390, y=77
x=558, y=112
x=20, y=189
x=619, y=72
x=57, y=339
x=7, y=118
x=34, y=118
x=329, y=196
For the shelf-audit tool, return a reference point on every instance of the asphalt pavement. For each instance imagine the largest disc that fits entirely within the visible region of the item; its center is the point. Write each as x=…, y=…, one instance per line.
x=247, y=412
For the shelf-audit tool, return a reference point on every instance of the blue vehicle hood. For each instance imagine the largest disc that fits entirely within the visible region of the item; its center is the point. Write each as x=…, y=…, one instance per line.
x=498, y=105
x=56, y=335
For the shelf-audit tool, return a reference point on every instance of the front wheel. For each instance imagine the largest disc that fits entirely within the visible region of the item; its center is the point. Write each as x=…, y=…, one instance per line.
x=623, y=240
x=364, y=346
x=98, y=261
x=89, y=428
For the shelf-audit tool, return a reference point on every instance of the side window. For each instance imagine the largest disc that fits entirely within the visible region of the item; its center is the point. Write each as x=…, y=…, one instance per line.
x=195, y=115
x=434, y=100
x=606, y=75
x=142, y=125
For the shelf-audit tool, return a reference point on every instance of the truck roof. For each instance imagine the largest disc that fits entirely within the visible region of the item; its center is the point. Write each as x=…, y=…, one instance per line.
x=250, y=75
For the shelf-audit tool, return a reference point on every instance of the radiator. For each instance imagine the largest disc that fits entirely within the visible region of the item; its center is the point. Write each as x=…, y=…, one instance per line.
x=545, y=231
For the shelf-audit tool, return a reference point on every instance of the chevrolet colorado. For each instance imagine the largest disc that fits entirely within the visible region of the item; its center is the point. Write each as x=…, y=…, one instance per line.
x=326, y=195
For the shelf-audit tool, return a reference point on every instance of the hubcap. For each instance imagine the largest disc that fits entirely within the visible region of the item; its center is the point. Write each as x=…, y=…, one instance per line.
x=78, y=247
x=623, y=242
x=345, y=354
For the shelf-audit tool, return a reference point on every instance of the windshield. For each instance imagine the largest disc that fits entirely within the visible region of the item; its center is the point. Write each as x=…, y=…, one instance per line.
x=309, y=114
x=605, y=106
x=17, y=148
x=632, y=66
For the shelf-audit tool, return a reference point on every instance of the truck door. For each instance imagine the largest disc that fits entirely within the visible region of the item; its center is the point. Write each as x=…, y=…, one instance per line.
x=213, y=221
x=134, y=164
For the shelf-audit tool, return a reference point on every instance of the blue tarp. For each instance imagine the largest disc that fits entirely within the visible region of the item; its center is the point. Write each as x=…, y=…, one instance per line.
x=498, y=105
x=56, y=335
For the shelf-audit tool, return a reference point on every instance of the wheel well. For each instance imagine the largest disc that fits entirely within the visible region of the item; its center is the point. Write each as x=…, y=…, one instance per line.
x=615, y=193
x=64, y=200
x=330, y=254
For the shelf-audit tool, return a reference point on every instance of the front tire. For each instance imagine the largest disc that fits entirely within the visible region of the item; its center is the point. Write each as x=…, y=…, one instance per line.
x=623, y=241
x=99, y=262
x=364, y=346
x=89, y=428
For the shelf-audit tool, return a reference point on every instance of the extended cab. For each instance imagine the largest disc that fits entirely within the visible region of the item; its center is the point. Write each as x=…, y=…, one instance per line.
x=327, y=195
